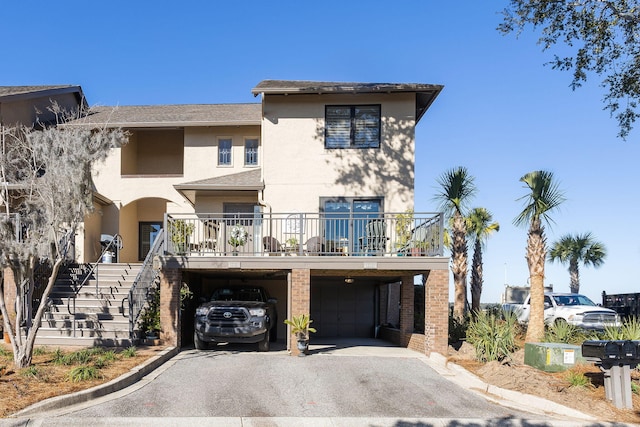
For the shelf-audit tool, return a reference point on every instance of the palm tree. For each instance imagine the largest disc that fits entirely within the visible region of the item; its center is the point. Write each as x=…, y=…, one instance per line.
x=543, y=198
x=456, y=188
x=479, y=228
x=575, y=249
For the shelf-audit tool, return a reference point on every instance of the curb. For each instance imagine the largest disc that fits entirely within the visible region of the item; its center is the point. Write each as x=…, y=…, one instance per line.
x=509, y=398
x=123, y=381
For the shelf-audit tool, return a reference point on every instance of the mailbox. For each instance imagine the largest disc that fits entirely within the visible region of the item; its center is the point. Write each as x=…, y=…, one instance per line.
x=615, y=358
x=618, y=351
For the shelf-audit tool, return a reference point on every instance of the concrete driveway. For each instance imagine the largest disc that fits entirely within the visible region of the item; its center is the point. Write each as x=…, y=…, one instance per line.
x=367, y=382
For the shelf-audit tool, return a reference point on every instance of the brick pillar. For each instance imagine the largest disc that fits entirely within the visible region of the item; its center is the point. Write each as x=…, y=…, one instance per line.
x=170, y=280
x=406, y=309
x=436, y=312
x=300, y=298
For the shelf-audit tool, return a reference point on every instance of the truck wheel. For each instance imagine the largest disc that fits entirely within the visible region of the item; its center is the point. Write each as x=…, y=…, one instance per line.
x=198, y=343
x=264, y=345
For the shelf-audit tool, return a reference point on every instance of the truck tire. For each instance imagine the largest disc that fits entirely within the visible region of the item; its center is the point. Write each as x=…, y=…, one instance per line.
x=198, y=343
x=264, y=345
x=273, y=333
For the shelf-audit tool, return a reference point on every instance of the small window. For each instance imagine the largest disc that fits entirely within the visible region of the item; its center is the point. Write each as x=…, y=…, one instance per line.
x=352, y=126
x=224, y=152
x=251, y=152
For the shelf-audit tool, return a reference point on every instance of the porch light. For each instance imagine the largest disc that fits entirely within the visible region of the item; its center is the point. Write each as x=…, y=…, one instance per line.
x=349, y=280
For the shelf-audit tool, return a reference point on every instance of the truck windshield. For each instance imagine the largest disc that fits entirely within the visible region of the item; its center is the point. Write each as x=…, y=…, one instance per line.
x=572, y=300
x=237, y=294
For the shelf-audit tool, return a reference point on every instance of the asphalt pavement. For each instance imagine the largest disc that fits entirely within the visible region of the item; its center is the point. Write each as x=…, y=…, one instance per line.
x=366, y=383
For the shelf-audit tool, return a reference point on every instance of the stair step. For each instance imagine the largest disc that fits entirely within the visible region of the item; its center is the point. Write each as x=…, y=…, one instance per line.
x=83, y=341
x=60, y=311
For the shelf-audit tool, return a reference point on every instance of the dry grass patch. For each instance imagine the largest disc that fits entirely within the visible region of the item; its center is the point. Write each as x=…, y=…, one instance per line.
x=57, y=372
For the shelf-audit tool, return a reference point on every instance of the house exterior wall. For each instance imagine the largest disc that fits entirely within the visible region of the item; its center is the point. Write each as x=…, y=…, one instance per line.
x=298, y=169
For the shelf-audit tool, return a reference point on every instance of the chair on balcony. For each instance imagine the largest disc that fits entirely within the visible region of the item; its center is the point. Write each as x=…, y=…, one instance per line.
x=271, y=245
x=314, y=246
x=375, y=239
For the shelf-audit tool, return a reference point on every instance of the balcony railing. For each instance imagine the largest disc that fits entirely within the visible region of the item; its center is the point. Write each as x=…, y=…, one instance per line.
x=310, y=234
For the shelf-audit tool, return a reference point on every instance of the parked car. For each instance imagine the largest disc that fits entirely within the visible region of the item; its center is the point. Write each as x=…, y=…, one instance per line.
x=575, y=309
x=236, y=314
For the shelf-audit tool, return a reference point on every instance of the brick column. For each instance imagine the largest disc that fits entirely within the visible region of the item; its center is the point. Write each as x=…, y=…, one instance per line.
x=170, y=280
x=436, y=312
x=300, y=298
x=406, y=309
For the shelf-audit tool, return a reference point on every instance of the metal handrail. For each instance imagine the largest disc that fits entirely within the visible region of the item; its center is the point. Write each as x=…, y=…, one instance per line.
x=94, y=267
x=144, y=280
x=306, y=233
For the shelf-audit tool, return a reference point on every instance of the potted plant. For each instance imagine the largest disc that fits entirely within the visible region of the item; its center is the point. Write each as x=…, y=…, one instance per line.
x=180, y=230
x=404, y=224
x=301, y=329
x=238, y=238
x=150, y=317
x=292, y=245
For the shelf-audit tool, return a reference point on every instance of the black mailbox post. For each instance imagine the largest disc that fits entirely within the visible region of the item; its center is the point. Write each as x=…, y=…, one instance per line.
x=616, y=359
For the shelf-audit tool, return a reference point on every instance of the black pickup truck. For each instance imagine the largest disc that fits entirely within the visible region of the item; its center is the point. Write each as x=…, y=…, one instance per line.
x=236, y=314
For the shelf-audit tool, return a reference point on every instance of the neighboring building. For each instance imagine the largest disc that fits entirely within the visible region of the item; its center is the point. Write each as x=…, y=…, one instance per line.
x=306, y=193
x=29, y=105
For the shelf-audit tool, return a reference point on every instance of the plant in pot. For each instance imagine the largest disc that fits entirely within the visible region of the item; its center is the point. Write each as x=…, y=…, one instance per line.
x=300, y=327
x=150, y=317
x=238, y=237
x=292, y=245
x=180, y=230
x=404, y=224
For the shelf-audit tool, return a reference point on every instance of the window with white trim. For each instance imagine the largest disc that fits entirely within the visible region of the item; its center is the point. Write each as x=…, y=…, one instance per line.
x=251, y=152
x=352, y=126
x=224, y=152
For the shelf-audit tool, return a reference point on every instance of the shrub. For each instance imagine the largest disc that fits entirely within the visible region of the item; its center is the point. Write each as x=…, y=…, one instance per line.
x=493, y=336
x=577, y=379
x=629, y=330
x=84, y=373
x=5, y=353
x=129, y=352
x=30, y=372
x=59, y=357
x=39, y=351
x=563, y=332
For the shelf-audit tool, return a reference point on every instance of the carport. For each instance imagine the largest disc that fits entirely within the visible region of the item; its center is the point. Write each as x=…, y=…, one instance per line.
x=346, y=297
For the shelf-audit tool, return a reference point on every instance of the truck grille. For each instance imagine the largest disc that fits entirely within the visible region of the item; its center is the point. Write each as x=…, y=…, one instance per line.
x=227, y=314
x=600, y=318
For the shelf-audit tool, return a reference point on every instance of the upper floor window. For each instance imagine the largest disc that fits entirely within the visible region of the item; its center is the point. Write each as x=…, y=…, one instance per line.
x=352, y=126
x=224, y=152
x=251, y=152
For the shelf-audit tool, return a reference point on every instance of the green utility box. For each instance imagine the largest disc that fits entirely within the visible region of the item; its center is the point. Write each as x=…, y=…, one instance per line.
x=552, y=357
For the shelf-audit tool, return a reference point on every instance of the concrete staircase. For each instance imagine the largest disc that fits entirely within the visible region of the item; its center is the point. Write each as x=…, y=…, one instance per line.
x=95, y=314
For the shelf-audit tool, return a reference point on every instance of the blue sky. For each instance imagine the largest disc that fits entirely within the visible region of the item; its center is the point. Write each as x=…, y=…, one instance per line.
x=501, y=114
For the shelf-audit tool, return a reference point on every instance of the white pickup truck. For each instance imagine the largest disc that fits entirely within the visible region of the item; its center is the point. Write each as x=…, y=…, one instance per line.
x=574, y=309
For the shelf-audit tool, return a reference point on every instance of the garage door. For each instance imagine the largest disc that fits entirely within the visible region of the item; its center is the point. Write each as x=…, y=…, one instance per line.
x=341, y=310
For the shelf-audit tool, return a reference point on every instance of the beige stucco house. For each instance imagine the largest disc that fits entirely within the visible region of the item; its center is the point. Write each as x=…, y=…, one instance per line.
x=317, y=178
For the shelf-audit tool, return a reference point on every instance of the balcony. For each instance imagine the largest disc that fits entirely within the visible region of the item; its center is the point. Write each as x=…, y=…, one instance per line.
x=304, y=234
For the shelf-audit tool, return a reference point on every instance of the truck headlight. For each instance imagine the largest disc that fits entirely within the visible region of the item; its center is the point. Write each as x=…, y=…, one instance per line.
x=257, y=312
x=202, y=311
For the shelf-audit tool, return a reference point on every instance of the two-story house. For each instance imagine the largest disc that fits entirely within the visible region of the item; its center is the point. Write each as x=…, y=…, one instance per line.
x=307, y=193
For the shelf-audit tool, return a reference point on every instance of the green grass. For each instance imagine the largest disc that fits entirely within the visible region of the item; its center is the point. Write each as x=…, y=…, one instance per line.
x=129, y=352
x=84, y=373
x=31, y=372
x=577, y=379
